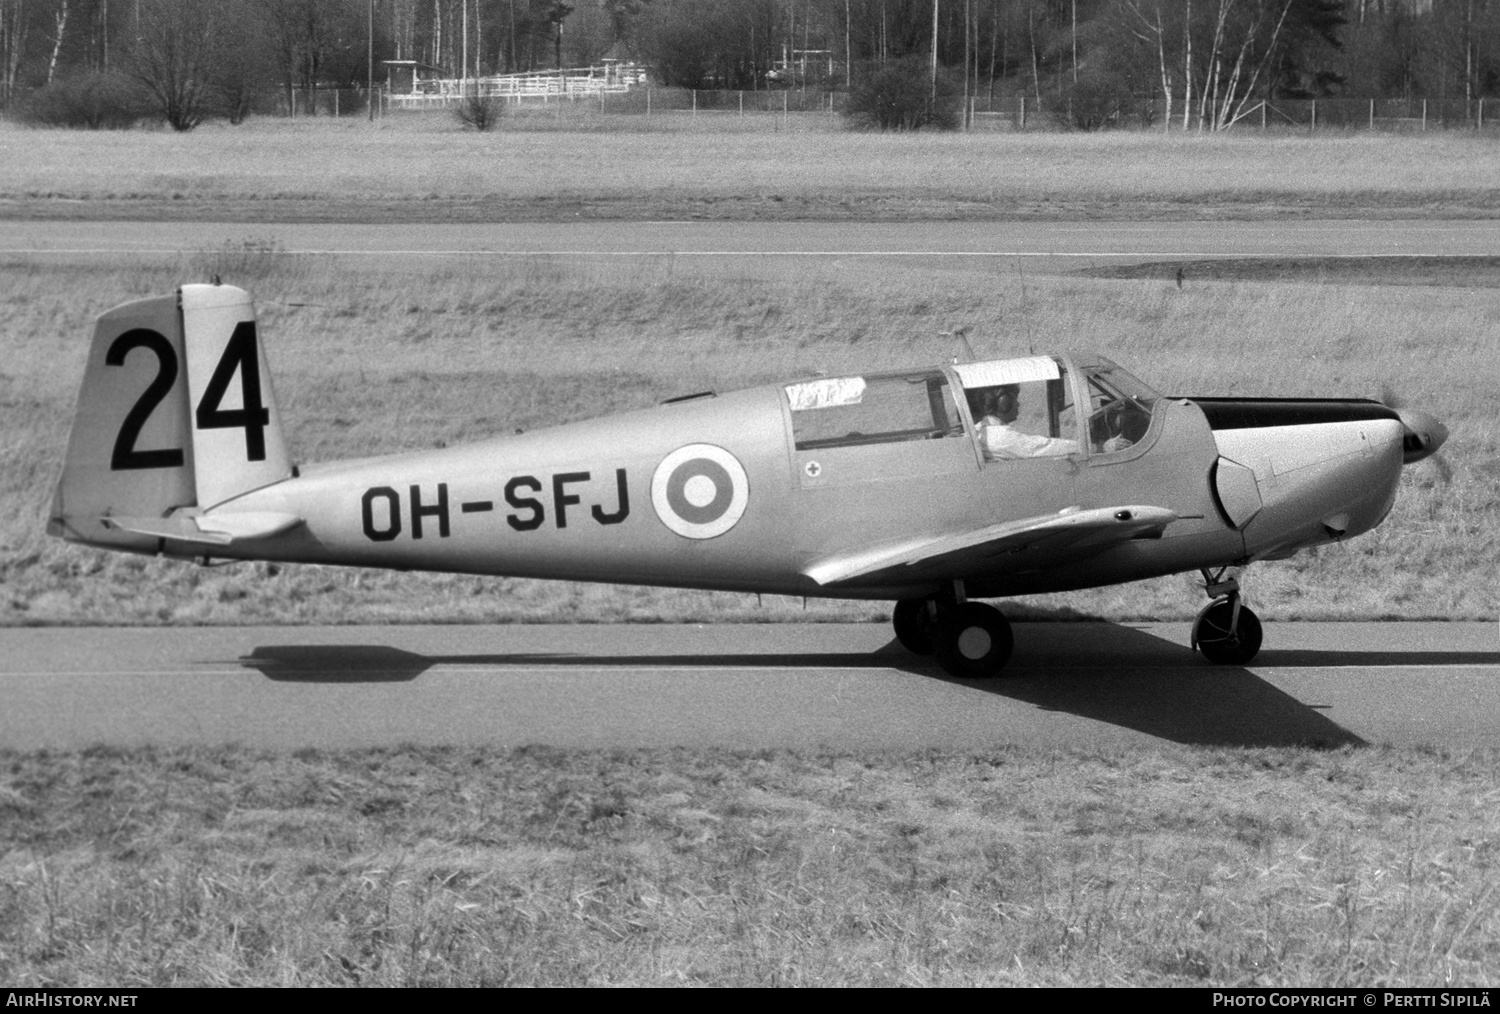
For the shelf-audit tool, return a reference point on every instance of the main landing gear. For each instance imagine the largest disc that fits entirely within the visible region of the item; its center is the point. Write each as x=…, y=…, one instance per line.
x=1226, y=631
x=970, y=640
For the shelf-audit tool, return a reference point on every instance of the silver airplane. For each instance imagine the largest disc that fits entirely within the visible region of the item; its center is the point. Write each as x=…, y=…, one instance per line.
x=933, y=486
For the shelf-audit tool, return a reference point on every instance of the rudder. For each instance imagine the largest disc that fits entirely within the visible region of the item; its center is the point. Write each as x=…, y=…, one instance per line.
x=236, y=431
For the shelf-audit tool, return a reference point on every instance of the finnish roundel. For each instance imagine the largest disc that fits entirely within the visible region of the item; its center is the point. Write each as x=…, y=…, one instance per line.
x=700, y=491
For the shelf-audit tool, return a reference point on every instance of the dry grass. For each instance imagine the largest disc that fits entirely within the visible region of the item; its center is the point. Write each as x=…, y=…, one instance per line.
x=537, y=867
x=382, y=361
x=425, y=168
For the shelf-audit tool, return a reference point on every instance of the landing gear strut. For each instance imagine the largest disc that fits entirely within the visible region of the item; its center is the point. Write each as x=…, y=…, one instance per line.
x=1226, y=631
x=970, y=640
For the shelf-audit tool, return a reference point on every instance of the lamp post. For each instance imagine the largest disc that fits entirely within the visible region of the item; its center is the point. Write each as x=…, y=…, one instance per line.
x=370, y=61
x=933, y=98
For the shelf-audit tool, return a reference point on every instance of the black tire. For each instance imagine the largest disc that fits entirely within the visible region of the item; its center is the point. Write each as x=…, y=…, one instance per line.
x=1212, y=637
x=974, y=641
x=915, y=627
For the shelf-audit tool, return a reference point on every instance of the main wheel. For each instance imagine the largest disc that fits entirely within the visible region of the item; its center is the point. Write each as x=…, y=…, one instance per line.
x=916, y=628
x=973, y=640
x=1211, y=634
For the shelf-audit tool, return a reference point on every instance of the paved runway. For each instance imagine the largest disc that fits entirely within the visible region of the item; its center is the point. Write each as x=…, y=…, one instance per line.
x=1064, y=243
x=845, y=686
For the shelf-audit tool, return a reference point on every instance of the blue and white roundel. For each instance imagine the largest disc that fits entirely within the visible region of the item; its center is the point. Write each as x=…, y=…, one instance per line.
x=700, y=491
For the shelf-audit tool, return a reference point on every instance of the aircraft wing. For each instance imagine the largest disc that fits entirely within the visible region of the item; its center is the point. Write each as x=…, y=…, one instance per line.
x=210, y=529
x=1049, y=539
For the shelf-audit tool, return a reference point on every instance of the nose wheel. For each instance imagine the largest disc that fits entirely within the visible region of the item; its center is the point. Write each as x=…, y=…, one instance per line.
x=1226, y=631
x=970, y=640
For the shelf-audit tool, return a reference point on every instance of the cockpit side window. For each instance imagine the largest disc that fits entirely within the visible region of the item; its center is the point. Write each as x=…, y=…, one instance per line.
x=1022, y=408
x=848, y=411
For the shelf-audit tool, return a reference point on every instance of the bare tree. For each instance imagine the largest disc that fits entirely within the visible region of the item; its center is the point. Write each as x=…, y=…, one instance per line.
x=174, y=59
x=1460, y=37
x=1226, y=53
x=555, y=13
x=61, y=20
x=282, y=23
x=12, y=45
x=1230, y=86
x=1147, y=23
x=306, y=35
x=244, y=64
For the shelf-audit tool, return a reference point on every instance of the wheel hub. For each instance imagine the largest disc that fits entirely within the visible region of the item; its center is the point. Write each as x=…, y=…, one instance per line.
x=974, y=643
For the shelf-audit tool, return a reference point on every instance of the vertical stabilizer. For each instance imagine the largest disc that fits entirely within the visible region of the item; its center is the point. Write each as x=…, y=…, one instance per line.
x=129, y=452
x=237, y=441
x=175, y=414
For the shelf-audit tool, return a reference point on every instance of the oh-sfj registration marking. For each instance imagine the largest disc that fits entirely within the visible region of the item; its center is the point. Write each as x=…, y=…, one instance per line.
x=384, y=518
x=700, y=491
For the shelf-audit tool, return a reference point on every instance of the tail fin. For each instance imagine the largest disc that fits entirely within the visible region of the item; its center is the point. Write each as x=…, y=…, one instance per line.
x=175, y=415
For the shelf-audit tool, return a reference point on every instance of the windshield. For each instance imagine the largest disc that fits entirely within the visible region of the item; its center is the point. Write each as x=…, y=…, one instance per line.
x=1120, y=406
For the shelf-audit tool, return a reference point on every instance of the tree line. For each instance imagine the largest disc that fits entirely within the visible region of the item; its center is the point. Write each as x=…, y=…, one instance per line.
x=1201, y=62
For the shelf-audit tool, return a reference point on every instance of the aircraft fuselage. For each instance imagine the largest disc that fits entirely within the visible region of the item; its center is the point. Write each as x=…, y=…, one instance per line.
x=591, y=500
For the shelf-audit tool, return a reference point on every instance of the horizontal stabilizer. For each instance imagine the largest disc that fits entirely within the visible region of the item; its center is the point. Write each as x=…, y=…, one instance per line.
x=1065, y=533
x=211, y=529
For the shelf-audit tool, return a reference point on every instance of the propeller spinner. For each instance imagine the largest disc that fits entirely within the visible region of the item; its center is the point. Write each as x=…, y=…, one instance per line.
x=1423, y=433
x=1423, y=436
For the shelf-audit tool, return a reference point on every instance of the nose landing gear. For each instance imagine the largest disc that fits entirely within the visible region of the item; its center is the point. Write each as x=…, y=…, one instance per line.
x=970, y=640
x=1226, y=631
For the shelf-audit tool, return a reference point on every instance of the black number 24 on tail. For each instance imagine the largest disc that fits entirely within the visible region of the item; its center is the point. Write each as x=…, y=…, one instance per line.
x=253, y=416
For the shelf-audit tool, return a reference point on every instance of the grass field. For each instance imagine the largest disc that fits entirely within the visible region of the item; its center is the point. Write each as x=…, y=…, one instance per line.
x=1165, y=866
x=423, y=168
x=414, y=867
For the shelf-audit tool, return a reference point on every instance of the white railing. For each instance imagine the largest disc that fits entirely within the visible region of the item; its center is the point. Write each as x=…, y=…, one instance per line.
x=566, y=83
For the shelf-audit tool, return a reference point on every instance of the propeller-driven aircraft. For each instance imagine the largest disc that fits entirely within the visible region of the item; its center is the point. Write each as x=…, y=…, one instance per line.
x=934, y=486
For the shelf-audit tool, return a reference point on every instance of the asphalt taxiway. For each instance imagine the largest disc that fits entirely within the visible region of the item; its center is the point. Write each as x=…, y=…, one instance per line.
x=1062, y=245
x=840, y=686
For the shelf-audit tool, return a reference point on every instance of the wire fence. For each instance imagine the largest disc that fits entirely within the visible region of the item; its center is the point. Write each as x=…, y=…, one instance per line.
x=1273, y=115
x=986, y=113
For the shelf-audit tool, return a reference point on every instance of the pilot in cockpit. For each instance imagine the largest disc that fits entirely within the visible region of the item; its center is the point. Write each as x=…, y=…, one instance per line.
x=998, y=436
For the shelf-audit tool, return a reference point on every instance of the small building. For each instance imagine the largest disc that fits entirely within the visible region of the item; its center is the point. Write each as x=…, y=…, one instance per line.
x=405, y=77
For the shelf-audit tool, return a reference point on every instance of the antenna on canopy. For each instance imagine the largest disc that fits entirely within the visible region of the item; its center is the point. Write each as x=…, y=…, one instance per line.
x=962, y=334
x=1025, y=311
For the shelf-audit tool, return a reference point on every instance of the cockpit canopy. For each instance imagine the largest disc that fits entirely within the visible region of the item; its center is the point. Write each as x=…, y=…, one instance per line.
x=1015, y=408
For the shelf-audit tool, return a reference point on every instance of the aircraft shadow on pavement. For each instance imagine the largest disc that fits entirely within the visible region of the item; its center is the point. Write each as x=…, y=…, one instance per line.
x=369, y=663
x=337, y=663
x=1310, y=658
x=1105, y=672
x=1136, y=680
